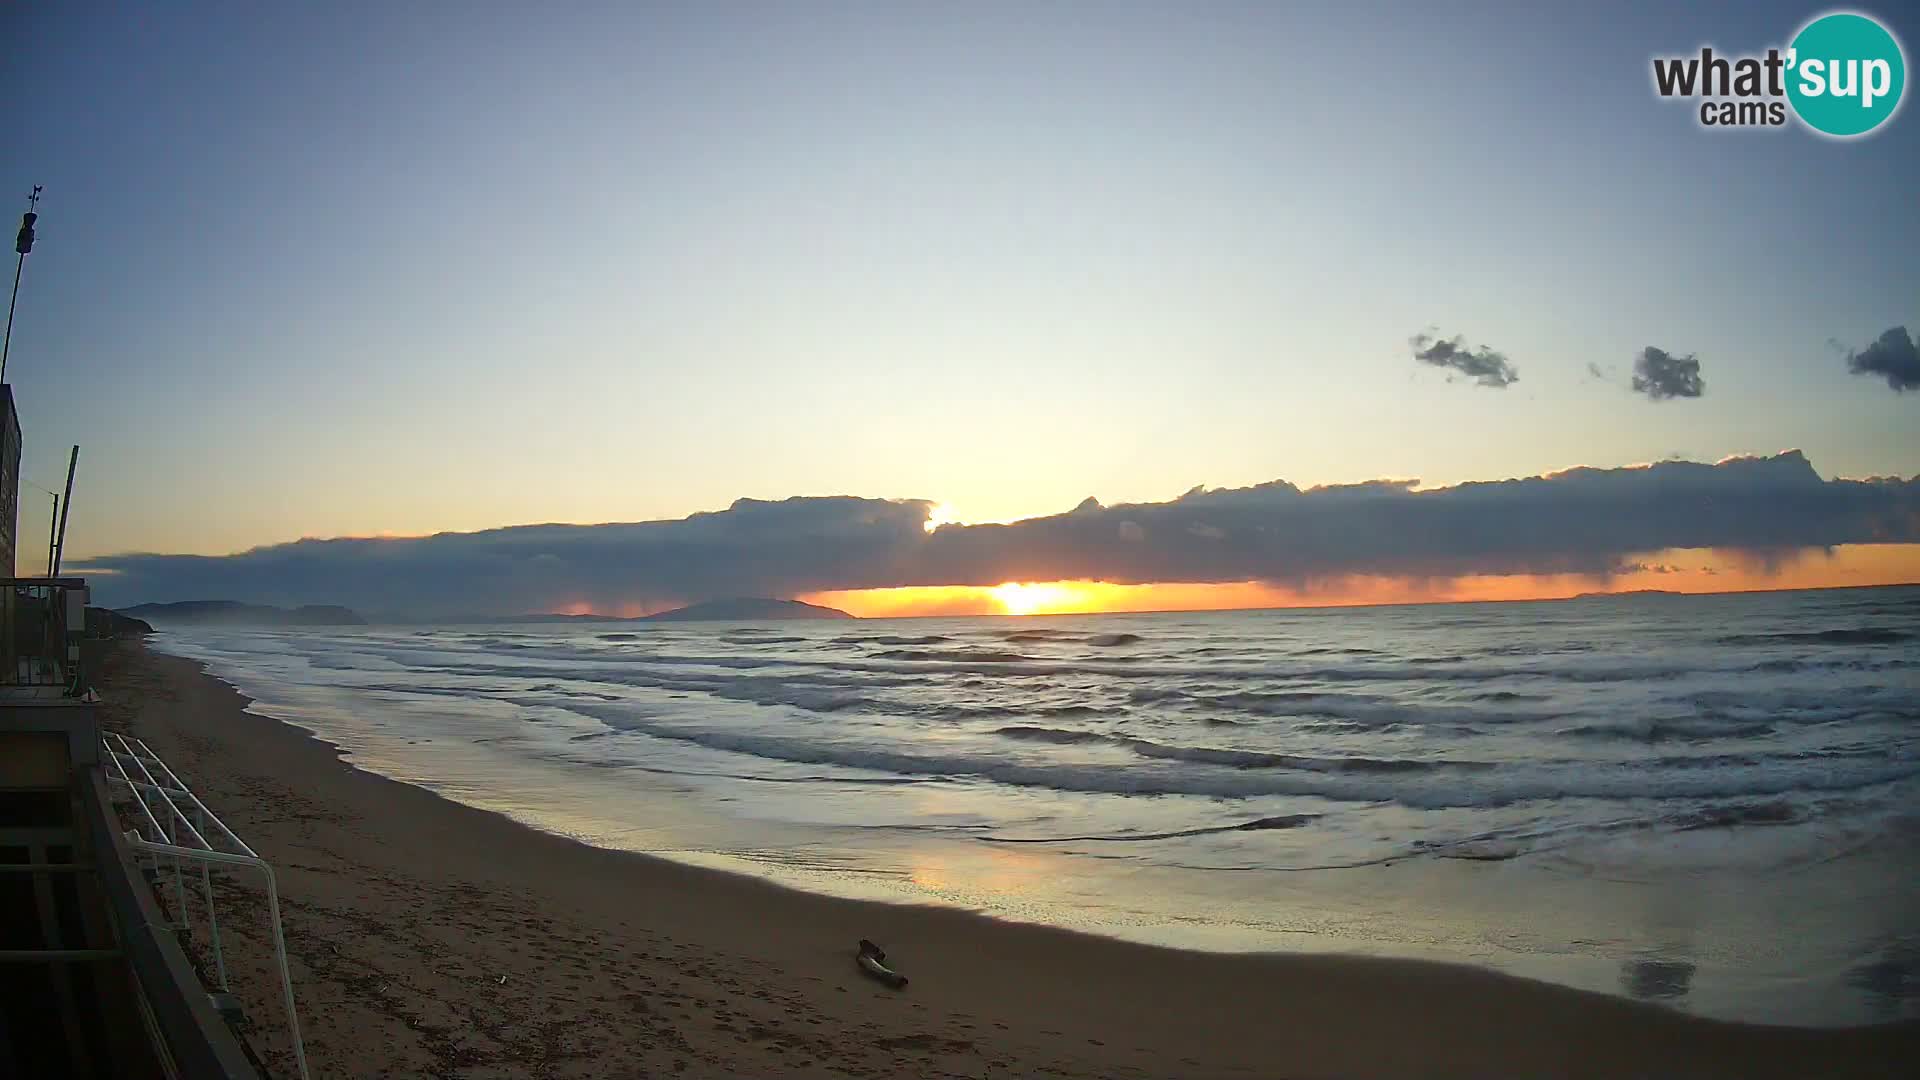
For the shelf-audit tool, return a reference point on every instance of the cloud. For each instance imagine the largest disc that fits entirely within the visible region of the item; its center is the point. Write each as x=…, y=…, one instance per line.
x=1660, y=375
x=1487, y=367
x=1581, y=521
x=1593, y=370
x=1893, y=356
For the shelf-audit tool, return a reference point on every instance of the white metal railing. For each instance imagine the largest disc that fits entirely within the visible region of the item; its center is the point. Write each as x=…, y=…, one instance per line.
x=178, y=828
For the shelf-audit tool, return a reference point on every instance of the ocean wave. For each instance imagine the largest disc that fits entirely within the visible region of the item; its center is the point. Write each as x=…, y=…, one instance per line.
x=1784, y=666
x=969, y=660
x=954, y=656
x=1327, y=650
x=1652, y=731
x=1014, y=710
x=1258, y=703
x=1282, y=821
x=1036, y=635
x=811, y=691
x=1858, y=635
x=1361, y=710
x=1418, y=789
x=1507, y=843
x=1731, y=815
x=1614, y=731
x=1050, y=735
x=1505, y=696
x=1233, y=759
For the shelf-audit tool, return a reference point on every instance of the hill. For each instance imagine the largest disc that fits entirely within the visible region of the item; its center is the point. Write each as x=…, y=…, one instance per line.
x=102, y=623
x=232, y=613
x=748, y=609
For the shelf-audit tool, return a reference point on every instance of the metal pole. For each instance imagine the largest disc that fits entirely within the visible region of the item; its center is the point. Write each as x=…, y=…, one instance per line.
x=19, y=264
x=286, y=976
x=66, y=504
x=213, y=917
x=53, y=524
x=22, y=244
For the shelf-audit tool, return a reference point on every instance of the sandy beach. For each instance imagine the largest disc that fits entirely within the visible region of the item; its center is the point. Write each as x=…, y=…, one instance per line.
x=433, y=939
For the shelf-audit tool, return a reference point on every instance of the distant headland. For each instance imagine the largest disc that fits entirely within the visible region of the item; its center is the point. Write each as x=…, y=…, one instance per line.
x=747, y=608
x=236, y=614
x=233, y=613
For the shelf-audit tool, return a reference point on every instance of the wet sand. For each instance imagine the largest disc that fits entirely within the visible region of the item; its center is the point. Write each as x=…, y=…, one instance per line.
x=433, y=939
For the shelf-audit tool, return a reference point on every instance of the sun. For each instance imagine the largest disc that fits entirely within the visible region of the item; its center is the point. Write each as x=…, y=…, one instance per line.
x=940, y=514
x=1027, y=597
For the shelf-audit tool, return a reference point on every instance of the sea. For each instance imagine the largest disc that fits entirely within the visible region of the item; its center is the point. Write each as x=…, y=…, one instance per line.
x=1708, y=802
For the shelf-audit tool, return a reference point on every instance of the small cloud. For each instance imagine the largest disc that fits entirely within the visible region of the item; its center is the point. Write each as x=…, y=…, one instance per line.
x=1893, y=356
x=1593, y=369
x=1661, y=375
x=1487, y=367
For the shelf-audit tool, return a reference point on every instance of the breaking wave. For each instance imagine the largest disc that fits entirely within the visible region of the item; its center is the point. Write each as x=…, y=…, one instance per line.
x=1860, y=635
x=1486, y=734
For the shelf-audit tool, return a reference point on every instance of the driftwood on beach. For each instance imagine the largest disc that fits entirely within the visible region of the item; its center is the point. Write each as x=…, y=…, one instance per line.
x=873, y=960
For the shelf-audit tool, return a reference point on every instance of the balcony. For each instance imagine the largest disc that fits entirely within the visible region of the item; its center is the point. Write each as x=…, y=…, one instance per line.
x=40, y=633
x=94, y=979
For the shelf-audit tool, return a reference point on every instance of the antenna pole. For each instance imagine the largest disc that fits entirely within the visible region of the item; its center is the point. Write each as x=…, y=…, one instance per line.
x=22, y=244
x=66, y=505
x=18, y=265
x=52, y=528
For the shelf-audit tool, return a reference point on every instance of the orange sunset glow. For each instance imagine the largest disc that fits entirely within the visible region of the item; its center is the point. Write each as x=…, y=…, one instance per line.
x=1676, y=570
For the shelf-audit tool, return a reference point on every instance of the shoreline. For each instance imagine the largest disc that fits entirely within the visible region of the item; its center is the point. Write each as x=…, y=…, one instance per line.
x=405, y=907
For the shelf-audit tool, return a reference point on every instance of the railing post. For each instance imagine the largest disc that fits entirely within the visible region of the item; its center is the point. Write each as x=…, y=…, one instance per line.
x=213, y=919
x=186, y=839
x=286, y=975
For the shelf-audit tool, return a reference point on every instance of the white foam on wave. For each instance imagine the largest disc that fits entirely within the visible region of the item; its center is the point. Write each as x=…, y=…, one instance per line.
x=1199, y=771
x=1460, y=716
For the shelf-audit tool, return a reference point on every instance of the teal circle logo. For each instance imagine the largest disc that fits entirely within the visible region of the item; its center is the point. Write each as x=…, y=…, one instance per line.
x=1845, y=74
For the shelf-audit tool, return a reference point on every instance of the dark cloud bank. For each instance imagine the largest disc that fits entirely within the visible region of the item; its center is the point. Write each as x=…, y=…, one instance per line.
x=1585, y=521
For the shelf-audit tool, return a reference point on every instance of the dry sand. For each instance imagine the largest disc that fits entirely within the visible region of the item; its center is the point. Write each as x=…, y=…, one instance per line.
x=432, y=939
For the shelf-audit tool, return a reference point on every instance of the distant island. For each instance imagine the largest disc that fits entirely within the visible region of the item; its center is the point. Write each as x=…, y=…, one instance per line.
x=233, y=613
x=747, y=609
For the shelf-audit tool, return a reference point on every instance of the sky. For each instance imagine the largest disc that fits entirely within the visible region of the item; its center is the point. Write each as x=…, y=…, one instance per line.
x=365, y=271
